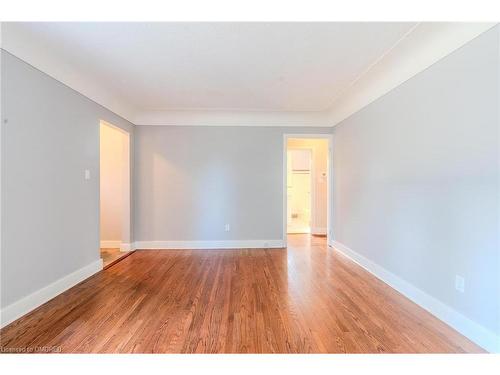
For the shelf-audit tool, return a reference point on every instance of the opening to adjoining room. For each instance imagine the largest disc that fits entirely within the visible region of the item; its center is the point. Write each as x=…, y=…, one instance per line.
x=114, y=193
x=307, y=185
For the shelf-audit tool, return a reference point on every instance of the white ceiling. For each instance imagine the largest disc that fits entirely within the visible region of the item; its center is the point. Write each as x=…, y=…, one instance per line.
x=236, y=66
x=143, y=71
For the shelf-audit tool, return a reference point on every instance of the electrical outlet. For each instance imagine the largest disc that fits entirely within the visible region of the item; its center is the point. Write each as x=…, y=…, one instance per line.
x=459, y=283
x=227, y=227
x=87, y=174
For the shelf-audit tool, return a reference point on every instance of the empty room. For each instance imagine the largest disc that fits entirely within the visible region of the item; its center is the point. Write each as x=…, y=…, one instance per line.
x=250, y=187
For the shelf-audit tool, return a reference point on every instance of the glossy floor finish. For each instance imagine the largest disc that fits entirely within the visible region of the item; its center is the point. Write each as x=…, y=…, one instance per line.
x=298, y=226
x=304, y=299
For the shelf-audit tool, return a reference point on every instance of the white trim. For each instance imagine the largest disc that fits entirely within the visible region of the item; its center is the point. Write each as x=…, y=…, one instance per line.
x=110, y=244
x=126, y=247
x=25, y=305
x=424, y=45
x=202, y=245
x=24, y=46
x=467, y=327
x=418, y=49
x=229, y=117
x=329, y=198
x=330, y=178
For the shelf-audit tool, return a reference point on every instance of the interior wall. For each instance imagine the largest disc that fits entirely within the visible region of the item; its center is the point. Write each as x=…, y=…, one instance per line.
x=112, y=183
x=319, y=149
x=191, y=181
x=424, y=158
x=416, y=185
x=50, y=212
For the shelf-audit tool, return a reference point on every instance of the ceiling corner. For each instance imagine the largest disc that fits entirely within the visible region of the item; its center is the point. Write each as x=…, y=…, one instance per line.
x=426, y=44
x=22, y=46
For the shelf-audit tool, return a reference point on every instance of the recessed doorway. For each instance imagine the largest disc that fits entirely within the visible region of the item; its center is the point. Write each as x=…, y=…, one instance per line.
x=307, y=187
x=114, y=193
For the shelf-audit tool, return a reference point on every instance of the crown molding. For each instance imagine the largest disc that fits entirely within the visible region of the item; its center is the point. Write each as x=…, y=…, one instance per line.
x=25, y=47
x=426, y=44
x=232, y=118
x=423, y=46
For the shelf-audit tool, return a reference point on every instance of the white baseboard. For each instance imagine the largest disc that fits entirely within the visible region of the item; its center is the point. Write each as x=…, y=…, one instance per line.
x=110, y=244
x=126, y=247
x=318, y=230
x=467, y=327
x=232, y=244
x=25, y=305
x=123, y=246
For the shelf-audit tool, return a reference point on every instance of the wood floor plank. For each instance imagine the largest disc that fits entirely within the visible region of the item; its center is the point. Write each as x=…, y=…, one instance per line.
x=304, y=299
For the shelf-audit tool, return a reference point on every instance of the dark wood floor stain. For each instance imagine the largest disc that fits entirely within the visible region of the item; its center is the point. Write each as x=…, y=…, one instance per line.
x=303, y=299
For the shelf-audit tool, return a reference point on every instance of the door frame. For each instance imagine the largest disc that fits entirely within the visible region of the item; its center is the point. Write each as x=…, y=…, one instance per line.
x=126, y=225
x=329, y=186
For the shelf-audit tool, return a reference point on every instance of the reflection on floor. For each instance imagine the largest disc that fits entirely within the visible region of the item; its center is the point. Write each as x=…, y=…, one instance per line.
x=306, y=298
x=298, y=225
x=110, y=255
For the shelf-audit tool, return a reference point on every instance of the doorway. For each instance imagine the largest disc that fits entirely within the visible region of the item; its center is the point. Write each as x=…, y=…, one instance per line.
x=114, y=186
x=299, y=188
x=307, y=184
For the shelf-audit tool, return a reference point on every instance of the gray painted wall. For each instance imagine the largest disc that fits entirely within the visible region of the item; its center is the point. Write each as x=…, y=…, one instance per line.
x=50, y=213
x=191, y=181
x=416, y=180
x=416, y=185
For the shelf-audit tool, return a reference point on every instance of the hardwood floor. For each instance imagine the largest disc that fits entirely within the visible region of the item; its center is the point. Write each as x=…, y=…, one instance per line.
x=304, y=299
x=112, y=256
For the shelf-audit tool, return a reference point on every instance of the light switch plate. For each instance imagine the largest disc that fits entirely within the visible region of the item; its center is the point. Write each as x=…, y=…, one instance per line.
x=459, y=283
